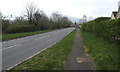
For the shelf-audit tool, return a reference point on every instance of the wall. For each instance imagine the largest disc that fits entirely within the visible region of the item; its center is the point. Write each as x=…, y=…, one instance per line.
x=112, y=16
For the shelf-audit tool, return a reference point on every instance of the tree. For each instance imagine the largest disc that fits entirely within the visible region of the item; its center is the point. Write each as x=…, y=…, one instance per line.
x=41, y=20
x=5, y=24
x=65, y=22
x=18, y=20
x=31, y=9
x=56, y=18
x=84, y=18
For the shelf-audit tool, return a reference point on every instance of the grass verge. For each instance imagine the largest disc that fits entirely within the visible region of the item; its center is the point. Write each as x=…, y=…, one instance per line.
x=52, y=58
x=19, y=35
x=104, y=53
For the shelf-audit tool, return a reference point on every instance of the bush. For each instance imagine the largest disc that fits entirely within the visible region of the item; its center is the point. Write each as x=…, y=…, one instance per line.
x=103, y=27
x=17, y=28
x=5, y=24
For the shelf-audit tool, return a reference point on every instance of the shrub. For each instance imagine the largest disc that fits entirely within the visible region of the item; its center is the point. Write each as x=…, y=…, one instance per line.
x=5, y=24
x=17, y=28
x=104, y=27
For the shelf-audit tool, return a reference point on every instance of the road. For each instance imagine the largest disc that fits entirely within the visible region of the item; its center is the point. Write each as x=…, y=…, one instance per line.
x=18, y=50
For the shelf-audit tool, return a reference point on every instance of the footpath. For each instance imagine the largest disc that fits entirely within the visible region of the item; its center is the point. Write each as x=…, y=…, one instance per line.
x=78, y=58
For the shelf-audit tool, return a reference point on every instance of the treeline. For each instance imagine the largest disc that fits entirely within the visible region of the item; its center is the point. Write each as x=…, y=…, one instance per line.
x=103, y=26
x=34, y=19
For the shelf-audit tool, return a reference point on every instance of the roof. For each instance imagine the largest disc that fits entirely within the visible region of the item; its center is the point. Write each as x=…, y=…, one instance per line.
x=115, y=13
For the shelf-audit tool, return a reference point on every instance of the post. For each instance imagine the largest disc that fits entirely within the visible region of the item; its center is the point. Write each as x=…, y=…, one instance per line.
x=0, y=42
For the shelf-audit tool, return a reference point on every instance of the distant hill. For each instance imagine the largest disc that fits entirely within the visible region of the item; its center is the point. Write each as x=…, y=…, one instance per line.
x=74, y=19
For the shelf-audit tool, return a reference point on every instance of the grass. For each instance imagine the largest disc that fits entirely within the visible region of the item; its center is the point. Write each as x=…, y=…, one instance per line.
x=18, y=35
x=52, y=58
x=103, y=52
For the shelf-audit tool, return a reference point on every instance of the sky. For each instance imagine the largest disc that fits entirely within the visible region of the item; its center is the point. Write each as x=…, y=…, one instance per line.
x=74, y=8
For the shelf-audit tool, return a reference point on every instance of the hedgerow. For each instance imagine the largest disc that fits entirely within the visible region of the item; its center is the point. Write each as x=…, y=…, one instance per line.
x=104, y=27
x=17, y=28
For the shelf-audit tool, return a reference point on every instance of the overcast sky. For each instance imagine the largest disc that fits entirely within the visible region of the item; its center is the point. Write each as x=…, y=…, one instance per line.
x=75, y=8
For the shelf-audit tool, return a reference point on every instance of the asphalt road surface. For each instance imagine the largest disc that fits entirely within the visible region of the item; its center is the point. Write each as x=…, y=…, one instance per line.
x=17, y=50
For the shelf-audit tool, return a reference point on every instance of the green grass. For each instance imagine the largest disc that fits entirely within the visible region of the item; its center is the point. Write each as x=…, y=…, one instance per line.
x=52, y=58
x=103, y=52
x=18, y=35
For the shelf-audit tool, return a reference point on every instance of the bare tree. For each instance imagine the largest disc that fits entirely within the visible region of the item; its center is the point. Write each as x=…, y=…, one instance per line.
x=18, y=20
x=31, y=9
x=56, y=18
x=40, y=19
x=84, y=18
x=64, y=22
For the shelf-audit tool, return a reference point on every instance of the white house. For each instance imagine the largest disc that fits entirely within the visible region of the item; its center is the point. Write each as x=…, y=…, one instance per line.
x=116, y=14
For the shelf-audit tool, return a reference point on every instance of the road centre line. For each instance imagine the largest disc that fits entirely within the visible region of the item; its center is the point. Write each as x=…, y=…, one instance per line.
x=21, y=44
x=11, y=46
x=40, y=37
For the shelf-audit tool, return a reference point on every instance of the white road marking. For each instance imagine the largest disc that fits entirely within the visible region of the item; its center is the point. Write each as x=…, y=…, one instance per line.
x=41, y=37
x=11, y=46
x=4, y=42
x=20, y=43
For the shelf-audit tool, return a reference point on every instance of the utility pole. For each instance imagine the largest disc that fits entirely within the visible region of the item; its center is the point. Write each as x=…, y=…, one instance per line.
x=0, y=41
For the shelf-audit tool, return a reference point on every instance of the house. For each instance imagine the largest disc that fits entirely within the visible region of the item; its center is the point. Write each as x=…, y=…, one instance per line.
x=116, y=14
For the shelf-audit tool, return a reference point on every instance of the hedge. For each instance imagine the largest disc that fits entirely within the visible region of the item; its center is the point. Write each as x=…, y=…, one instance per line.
x=17, y=28
x=104, y=27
